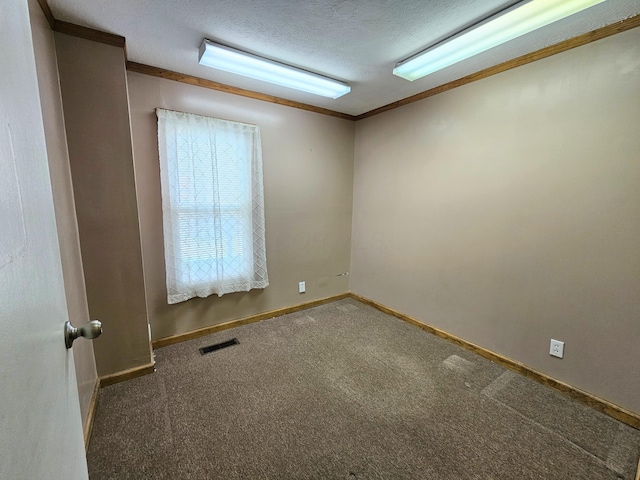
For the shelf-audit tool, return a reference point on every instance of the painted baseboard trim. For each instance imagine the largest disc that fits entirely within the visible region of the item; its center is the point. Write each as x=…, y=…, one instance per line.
x=604, y=406
x=124, y=375
x=88, y=427
x=182, y=337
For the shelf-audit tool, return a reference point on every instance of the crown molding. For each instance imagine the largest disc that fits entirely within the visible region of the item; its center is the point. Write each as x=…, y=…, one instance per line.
x=580, y=40
x=120, y=41
x=221, y=87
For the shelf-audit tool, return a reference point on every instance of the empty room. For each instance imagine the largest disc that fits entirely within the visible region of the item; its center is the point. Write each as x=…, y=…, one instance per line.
x=335, y=239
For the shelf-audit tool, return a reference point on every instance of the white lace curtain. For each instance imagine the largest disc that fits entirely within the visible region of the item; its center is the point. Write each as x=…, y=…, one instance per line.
x=212, y=204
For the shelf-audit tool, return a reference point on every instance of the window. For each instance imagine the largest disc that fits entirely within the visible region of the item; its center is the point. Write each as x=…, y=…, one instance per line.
x=212, y=205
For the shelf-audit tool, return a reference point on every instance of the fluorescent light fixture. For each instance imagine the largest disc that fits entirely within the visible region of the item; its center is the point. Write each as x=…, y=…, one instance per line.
x=521, y=18
x=236, y=61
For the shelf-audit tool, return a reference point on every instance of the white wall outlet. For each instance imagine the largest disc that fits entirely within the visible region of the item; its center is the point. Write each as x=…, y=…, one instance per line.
x=301, y=287
x=557, y=348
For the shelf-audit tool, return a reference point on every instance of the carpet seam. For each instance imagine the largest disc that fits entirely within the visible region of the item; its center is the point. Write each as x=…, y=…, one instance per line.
x=168, y=413
x=599, y=404
x=616, y=445
x=553, y=432
x=393, y=410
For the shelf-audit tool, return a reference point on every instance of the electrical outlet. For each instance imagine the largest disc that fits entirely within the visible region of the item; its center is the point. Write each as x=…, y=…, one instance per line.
x=301, y=287
x=557, y=348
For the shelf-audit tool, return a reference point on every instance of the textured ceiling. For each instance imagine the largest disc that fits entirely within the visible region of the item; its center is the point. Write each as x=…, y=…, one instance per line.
x=358, y=41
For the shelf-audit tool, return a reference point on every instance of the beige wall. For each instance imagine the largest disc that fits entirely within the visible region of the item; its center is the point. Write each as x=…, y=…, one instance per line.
x=507, y=212
x=504, y=211
x=308, y=177
x=51, y=104
x=94, y=94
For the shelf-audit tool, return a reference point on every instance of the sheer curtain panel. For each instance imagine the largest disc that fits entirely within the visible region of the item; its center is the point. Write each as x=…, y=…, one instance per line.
x=212, y=205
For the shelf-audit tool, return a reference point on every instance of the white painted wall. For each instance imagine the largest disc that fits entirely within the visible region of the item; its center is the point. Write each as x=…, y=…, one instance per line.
x=40, y=425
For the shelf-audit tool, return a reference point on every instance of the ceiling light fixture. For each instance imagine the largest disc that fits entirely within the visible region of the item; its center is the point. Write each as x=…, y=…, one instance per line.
x=236, y=61
x=521, y=18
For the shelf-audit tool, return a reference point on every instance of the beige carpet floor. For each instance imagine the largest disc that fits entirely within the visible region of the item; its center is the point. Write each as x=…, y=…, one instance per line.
x=343, y=391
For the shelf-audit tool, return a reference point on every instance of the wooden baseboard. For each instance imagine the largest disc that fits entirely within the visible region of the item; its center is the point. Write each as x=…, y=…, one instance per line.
x=163, y=342
x=126, y=375
x=88, y=427
x=604, y=406
x=638, y=472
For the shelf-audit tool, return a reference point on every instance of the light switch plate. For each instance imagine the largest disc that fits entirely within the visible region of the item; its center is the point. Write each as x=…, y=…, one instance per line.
x=301, y=287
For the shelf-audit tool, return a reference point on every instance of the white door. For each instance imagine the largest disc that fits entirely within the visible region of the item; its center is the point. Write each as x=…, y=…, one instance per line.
x=40, y=426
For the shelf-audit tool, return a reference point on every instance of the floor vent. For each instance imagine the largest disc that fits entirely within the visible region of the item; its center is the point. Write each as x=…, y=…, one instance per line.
x=218, y=346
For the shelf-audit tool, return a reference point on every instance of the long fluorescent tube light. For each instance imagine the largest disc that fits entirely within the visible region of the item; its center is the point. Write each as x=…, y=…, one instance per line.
x=524, y=17
x=236, y=61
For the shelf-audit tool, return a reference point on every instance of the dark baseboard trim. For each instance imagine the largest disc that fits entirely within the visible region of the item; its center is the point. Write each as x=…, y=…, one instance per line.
x=91, y=414
x=126, y=375
x=182, y=337
x=604, y=406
